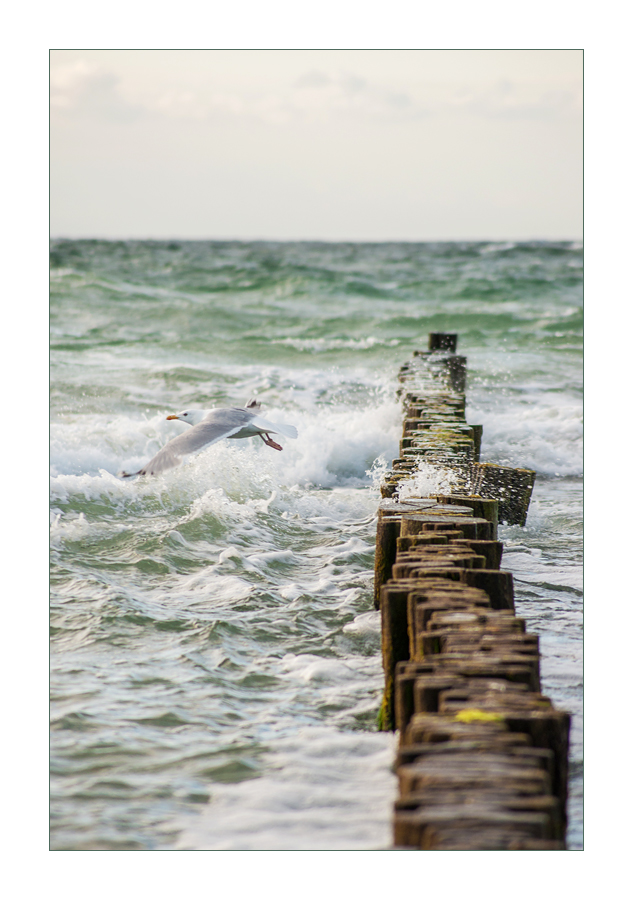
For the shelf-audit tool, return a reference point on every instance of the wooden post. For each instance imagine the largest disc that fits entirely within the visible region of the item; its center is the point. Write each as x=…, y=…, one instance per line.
x=440, y=341
x=483, y=754
x=387, y=533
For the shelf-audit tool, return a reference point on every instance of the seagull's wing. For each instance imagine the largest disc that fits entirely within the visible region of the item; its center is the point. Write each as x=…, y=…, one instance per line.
x=220, y=423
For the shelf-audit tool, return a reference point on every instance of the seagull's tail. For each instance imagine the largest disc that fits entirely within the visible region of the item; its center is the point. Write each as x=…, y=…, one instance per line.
x=289, y=430
x=253, y=404
x=130, y=474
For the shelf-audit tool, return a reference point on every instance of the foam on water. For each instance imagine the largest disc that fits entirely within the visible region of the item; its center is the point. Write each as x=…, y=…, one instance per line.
x=320, y=345
x=537, y=431
x=309, y=798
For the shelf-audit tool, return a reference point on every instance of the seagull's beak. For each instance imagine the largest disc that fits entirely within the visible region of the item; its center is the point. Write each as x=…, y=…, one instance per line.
x=171, y=417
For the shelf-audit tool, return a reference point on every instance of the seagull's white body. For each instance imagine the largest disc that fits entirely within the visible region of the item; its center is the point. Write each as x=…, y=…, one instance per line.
x=209, y=426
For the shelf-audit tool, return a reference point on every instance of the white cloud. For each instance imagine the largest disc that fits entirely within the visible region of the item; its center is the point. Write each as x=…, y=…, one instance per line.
x=318, y=96
x=509, y=100
x=180, y=104
x=79, y=89
x=312, y=79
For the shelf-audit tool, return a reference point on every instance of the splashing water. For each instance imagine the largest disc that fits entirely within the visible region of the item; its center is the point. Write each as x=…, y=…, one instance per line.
x=425, y=480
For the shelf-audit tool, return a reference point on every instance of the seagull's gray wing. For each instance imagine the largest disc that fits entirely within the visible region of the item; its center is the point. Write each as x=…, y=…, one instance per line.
x=218, y=424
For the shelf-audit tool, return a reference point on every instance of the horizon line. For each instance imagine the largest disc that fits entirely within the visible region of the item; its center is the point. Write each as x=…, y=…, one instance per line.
x=318, y=240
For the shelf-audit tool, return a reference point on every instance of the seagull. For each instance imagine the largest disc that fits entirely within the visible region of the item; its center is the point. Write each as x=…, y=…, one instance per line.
x=209, y=426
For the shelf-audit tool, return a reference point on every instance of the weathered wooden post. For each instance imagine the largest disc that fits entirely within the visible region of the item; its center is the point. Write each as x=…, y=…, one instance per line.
x=483, y=755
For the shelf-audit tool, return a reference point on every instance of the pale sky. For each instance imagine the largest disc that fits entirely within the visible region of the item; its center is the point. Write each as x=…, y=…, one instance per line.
x=317, y=144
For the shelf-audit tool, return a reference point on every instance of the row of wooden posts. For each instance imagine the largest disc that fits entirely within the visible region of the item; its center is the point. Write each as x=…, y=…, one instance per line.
x=483, y=755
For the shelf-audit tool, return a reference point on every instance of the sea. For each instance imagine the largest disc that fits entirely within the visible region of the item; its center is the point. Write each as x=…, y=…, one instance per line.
x=215, y=655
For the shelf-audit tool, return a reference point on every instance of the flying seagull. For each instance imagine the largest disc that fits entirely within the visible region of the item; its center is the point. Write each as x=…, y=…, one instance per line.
x=209, y=426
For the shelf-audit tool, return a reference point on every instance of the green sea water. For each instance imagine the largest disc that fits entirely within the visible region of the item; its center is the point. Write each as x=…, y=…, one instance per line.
x=215, y=655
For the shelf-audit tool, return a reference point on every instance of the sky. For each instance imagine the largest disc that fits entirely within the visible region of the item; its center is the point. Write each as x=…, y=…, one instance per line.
x=360, y=145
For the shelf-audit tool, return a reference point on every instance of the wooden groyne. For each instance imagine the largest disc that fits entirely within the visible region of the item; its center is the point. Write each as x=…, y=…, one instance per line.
x=483, y=755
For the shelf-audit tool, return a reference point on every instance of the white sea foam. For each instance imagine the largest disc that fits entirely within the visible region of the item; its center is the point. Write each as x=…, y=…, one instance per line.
x=77, y=527
x=497, y=247
x=208, y=586
x=365, y=623
x=317, y=668
x=323, y=790
x=426, y=480
x=321, y=345
x=542, y=431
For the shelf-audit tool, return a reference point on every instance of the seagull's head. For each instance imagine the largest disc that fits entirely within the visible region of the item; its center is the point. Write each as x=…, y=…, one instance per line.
x=191, y=416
